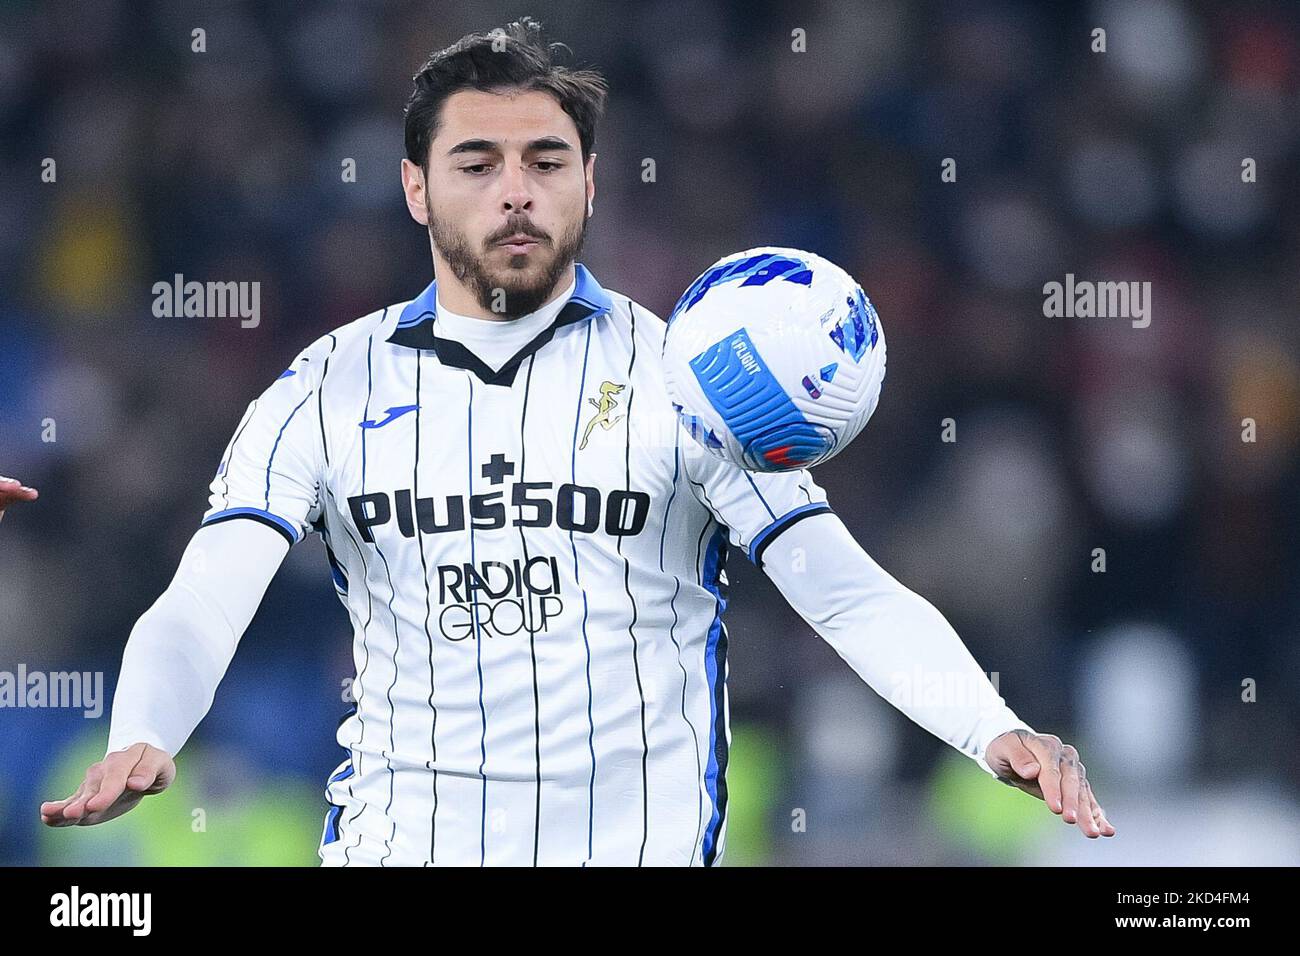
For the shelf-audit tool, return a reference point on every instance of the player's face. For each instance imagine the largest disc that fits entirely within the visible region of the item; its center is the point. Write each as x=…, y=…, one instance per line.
x=506, y=197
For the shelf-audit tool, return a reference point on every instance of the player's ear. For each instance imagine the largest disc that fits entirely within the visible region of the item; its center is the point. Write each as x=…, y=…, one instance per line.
x=415, y=189
x=591, y=183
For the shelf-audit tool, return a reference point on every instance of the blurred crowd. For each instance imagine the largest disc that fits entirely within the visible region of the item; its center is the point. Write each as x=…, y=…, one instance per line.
x=1176, y=670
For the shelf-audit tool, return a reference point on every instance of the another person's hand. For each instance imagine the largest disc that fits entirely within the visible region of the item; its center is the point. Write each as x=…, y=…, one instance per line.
x=113, y=786
x=12, y=490
x=1041, y=765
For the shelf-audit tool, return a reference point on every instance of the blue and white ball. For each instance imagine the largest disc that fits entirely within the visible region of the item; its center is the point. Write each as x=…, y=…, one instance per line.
x=774, y=359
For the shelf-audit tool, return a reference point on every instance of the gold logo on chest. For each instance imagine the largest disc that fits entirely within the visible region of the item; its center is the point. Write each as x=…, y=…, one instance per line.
x=604, y=406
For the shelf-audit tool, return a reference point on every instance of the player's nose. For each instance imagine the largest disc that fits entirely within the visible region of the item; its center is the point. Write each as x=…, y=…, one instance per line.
x=516, y=196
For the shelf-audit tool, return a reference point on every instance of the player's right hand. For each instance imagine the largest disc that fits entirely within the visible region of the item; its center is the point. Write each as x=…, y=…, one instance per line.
x=113, y=786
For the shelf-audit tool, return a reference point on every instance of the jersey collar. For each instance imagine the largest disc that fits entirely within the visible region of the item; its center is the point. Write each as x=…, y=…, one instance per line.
x=415, y=328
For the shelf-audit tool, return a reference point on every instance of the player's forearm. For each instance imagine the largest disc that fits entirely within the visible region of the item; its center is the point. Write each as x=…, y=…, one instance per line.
x=180, y=648
x=895, y=640
x=174, y=659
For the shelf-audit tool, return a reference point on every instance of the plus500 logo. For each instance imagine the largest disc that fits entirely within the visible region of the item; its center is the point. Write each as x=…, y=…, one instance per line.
x=570, y=507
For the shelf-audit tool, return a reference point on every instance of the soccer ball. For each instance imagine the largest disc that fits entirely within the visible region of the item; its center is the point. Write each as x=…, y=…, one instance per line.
x=774, y=359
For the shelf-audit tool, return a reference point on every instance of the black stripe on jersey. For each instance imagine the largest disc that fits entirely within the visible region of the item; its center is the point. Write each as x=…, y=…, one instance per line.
x=672, y=636
x=573, y=545
x=260, y=519
x=473, y=614
x=532, y=635
x=230, y=457
x=627, y=586
x=392, y=709
x=704, y=492
x=806, y=493
x=320, y=399
x=365, y=645
x=455, y=354
x=782, y=525
x=392, y=594
x=770, y=513
x=356, y=684
x=428, y=611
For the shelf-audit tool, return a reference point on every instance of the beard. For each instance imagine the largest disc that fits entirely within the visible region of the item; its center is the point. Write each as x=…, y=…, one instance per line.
x=519, y=287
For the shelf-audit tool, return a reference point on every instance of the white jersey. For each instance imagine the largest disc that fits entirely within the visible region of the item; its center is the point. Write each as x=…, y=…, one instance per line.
x=533, y=560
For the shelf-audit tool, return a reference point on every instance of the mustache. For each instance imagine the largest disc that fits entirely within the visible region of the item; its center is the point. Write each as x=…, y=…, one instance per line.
x=526, y=229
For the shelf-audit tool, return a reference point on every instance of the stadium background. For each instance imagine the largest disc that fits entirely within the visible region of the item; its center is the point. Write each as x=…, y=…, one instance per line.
x=1073, y=434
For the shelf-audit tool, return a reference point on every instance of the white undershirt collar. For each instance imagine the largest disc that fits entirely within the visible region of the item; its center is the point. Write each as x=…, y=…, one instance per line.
x=496, y=340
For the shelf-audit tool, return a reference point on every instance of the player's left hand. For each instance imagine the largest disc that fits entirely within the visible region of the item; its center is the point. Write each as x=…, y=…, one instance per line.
x=12, y=490
x=1041, y=765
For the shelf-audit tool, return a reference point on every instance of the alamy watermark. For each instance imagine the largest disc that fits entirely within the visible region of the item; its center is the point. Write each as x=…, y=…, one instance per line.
x=208, y=300
x=931, y=688
x=1084, y=299
x=75, y=908
x=79, y=690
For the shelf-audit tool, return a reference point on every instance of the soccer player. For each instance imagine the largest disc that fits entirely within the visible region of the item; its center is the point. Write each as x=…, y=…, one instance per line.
x=12, y=490
x=530, y=549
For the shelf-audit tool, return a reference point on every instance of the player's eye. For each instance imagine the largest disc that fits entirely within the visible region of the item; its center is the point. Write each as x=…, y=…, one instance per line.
x=546, y=162
x=476, y=169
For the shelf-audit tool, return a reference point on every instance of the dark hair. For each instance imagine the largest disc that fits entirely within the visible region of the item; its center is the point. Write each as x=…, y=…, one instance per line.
x=522, y=60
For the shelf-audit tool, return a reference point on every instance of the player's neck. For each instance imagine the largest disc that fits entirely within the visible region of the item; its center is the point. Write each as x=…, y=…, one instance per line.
x=457, y=297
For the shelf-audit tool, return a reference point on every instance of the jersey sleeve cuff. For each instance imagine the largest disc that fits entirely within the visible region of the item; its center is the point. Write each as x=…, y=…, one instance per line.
x=124, y=740
x=765, y=537
x=285, y=528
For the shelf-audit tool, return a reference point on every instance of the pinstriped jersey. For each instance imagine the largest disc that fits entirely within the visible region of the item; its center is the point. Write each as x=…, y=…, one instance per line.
x=533, y=560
